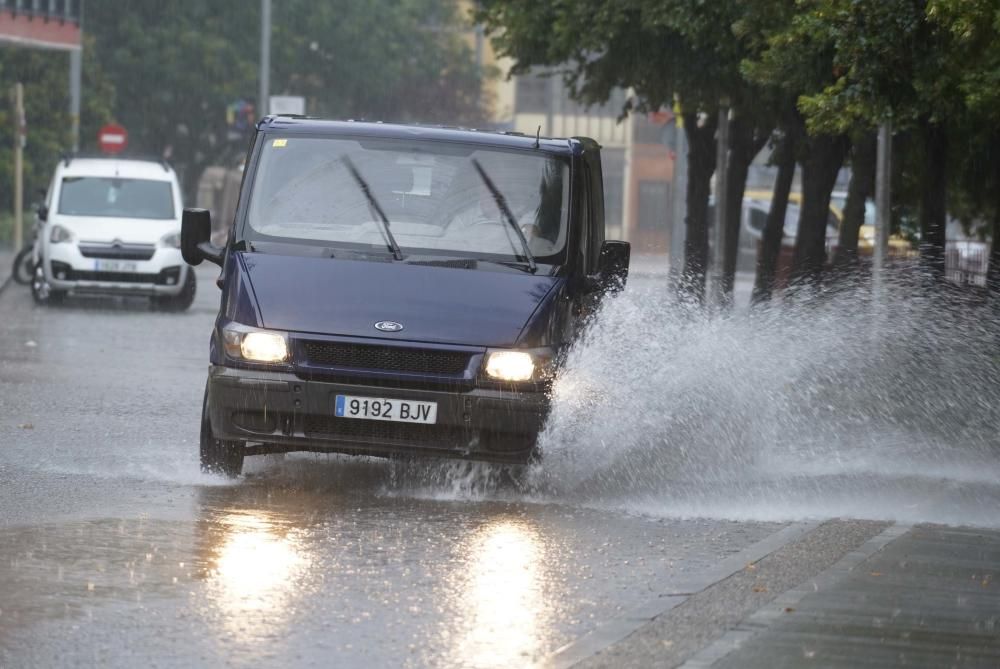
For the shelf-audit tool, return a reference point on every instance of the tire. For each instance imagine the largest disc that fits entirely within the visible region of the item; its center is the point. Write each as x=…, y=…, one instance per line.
x=42, y=292
x=181, y=301
x=218, y=456
x=24, y=267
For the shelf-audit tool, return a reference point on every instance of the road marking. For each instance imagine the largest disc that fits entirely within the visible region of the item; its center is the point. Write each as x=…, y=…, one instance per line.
x=673, y=594
x=764, y=617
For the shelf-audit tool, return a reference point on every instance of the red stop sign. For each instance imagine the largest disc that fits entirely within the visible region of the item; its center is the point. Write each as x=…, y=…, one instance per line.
x=112, y=138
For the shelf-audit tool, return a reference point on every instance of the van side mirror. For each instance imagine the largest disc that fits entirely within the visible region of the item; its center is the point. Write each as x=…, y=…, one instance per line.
x=42, y=212
x=612, y=266
x=196, y=233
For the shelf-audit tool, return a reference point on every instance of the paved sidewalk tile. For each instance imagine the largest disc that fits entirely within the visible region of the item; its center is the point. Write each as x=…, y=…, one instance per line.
x=931, y=598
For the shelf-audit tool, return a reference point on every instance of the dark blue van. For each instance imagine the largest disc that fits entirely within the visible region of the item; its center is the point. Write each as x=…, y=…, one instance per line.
x=399, y=290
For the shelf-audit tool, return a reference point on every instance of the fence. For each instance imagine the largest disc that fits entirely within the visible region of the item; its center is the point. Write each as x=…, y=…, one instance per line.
x=966, y=262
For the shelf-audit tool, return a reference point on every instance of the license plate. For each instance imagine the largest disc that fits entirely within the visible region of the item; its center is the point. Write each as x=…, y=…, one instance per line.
x=380, y=408
x=115, y=266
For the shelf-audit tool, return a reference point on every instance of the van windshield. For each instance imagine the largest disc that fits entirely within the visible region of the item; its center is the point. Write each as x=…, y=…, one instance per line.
x=117, y=198
x=439, y=198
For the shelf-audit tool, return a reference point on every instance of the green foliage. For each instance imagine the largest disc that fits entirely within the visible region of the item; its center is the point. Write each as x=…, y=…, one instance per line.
x=664, y=49
x=176, y=66
x=45, y=75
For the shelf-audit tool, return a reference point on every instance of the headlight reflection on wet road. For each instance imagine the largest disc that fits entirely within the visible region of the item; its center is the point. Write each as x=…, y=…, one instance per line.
x=255, y=570
x=502, y=596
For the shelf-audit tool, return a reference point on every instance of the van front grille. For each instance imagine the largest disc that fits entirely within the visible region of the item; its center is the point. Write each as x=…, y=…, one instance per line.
x=385, y=358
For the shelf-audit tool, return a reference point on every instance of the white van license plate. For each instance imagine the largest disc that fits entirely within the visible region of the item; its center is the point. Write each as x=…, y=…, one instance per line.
x=115, y=266
x=380, y=408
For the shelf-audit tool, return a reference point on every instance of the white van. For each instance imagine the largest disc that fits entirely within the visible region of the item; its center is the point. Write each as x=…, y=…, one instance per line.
x=112, y=225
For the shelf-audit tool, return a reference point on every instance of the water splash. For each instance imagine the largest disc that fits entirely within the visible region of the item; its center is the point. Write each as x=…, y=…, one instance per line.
x=821, y=406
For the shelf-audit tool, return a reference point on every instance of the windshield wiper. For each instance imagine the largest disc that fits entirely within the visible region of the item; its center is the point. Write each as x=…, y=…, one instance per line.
x=507, y=214
x=390, y=241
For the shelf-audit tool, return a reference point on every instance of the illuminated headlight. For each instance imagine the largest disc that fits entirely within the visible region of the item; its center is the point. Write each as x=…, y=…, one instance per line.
x=246, y=343
x=173, y=240
x=510, y=366
x=60, y=234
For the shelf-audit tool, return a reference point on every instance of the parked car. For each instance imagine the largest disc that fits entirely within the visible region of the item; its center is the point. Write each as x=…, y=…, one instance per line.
x=757, y=205
x=112, y=225
x=399, y=290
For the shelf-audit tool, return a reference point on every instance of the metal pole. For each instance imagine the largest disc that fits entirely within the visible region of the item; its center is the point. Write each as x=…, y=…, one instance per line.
x=264, y=95
x=883, y=203
x=75, y=75
x=19, y=140
x=678, y=231
x=721, y=188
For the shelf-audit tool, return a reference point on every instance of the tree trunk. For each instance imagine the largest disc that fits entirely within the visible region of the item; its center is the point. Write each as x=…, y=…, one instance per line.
x=823, y=160
x=774, y=228
x=860, y=189
x=745, y=142
x=933, y=204
x=701, y=165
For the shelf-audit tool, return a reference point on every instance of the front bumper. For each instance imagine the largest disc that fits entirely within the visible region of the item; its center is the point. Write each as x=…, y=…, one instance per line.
x=285, y=413
x=163, y=274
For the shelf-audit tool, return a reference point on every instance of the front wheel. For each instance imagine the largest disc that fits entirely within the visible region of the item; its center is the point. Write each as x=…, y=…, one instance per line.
x=218, y=456
x=182, y=300
x=24, y=266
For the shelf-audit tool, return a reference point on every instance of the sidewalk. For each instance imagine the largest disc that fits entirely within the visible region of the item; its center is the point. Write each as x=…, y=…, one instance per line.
x=929, y=598
x=923, y=596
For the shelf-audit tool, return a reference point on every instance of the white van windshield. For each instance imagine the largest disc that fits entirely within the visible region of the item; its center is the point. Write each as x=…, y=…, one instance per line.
x=116, y=197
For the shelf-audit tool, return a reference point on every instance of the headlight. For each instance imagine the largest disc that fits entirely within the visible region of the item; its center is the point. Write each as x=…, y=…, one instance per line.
x=510, y=366
x=60, y=234
x=245, y=343
x=172, y=240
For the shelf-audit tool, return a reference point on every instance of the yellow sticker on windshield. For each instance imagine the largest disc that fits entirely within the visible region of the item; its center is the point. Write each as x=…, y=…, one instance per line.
x=278, y=143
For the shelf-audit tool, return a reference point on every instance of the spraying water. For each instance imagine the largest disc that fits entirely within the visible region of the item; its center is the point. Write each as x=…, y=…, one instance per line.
x=825, y=405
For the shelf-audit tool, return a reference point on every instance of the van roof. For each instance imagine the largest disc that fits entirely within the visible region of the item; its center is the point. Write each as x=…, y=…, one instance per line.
x=498, y=138
x=116, y=167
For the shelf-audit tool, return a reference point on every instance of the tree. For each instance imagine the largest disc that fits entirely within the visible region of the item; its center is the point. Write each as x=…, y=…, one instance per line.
x=798, y=59
x=900, y=61
x=666, y=50
x=975, y=25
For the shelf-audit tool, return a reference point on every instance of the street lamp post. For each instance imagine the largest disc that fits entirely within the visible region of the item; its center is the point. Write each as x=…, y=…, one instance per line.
x=883, y=203
x=721, y=188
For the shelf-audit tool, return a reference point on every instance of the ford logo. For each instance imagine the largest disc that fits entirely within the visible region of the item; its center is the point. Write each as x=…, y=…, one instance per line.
x=388, y=326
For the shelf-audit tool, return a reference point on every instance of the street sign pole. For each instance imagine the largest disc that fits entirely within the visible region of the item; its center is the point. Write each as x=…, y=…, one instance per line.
x=264, y=95
x=19, y=140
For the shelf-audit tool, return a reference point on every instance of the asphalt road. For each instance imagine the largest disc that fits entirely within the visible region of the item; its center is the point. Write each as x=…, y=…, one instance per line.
x=116, y=551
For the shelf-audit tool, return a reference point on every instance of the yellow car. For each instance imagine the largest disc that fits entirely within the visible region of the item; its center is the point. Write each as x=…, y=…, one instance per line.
x=757, y=204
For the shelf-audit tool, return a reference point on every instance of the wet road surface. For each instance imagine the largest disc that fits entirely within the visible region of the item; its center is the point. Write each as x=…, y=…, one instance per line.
x=116, y=551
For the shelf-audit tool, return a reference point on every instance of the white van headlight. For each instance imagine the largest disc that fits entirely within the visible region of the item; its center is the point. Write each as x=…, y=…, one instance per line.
x=255, y=345
x=173, y=240
x=59, y=234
